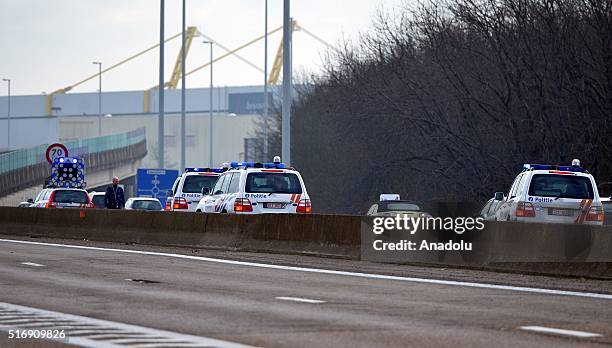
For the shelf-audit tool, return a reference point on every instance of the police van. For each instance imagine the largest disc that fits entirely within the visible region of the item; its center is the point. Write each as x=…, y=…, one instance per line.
x=186, y=191
x=552, y=194
x=257, y=188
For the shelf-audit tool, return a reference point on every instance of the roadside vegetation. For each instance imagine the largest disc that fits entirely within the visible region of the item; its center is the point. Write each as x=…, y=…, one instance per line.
x=445, y=100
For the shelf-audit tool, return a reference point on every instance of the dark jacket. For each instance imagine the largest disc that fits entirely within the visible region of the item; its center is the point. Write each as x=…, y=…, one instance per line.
x=114, y=198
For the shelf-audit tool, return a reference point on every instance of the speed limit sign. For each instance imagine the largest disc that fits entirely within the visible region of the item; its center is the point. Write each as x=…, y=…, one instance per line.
x=56, y=150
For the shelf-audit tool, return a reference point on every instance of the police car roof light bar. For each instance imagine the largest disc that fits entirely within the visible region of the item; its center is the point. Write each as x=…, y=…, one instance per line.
x=204, y=170
x=527, y=166
x=237, y=165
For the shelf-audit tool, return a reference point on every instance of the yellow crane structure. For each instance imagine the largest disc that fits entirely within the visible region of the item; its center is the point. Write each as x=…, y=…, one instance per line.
x=190, y=34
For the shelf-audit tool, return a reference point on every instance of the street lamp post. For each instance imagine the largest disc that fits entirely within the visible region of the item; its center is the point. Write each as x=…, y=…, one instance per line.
x=8, y=114
x=265, y=110
x=210, y=121
x=183, y=91
x=160, y=118
x=99, y=64
x=287, y=84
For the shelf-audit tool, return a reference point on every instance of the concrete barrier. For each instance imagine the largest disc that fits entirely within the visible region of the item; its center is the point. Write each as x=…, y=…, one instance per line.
x=574, y=250
x=527, y=248
x=327, y=235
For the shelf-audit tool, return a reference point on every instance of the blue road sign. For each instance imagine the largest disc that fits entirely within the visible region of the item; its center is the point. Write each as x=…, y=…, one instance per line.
x=155, y=182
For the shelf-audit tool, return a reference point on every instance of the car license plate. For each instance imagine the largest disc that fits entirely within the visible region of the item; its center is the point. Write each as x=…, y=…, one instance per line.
x=273, y=205
x=560, y=212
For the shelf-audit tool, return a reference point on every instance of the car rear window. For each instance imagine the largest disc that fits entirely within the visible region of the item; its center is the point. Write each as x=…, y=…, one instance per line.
x=70, y=196
x=98, y=201
x=398, y=206
x=194, y=183
x=562, y=186
x=273, y=183
x=146, y=205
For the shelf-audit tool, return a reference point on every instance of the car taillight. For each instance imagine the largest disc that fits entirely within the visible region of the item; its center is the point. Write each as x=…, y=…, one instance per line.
x=242, y=205
x=180, y=203
x=168, y=204
x=595, y=214
x=525, y=209
x=304, y=207
x=51, y=202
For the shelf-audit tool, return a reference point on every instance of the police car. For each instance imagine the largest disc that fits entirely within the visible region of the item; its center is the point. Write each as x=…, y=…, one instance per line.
x=258, y=188
x=187, y=189
x=552, y=194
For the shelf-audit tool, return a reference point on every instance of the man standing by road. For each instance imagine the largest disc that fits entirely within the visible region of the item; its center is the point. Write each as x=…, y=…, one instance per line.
x=114, y=197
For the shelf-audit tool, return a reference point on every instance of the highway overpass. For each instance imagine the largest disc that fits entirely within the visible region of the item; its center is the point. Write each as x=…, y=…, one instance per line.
x=22, y=172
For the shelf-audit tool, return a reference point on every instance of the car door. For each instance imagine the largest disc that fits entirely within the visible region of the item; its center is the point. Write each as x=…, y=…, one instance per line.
x=503, y=213
x=213, y=202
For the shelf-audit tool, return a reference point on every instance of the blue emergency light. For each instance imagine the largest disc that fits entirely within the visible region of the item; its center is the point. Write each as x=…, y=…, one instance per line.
x=67, y=172
x=257, y=165
x=204, y=170
x=577, y=169
x=275, y=165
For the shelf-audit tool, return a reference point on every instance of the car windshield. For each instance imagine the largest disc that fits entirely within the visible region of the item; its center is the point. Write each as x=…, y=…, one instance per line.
x=98, y=201
x=70, y=196
x=397, y=206
x=562, y=186
x=194, y=183
x=273, y=183
x=141, y=204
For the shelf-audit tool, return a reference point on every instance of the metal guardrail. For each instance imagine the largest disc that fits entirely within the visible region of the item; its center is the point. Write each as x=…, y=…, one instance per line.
x=31, y=156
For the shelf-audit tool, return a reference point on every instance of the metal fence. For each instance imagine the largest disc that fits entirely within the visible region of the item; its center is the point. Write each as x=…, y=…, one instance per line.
x=76, y=148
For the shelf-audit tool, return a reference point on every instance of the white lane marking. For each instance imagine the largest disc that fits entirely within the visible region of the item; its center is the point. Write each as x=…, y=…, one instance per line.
x=550, y=330
x=298, y=299
x=104, y=333
x=332, y=272
x=32, y=264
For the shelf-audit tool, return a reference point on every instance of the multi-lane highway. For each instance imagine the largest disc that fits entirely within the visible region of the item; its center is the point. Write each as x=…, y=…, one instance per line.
x=213, y=298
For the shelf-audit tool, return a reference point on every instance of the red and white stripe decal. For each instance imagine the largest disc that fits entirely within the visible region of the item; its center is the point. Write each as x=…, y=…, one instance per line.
x=585, y=206
x=297, y=199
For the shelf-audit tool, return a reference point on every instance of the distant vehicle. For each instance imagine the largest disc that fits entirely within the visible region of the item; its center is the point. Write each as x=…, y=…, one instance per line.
x=63, y=198
x=26, y=204
x=97, y=198
x=552, y=194
x=187, y=189
x=489, y=209
x=143, y=203
x=392, y=205
x=257, y=188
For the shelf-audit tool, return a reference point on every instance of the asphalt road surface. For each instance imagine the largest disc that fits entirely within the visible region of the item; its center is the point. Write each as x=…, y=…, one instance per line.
x=271, y=300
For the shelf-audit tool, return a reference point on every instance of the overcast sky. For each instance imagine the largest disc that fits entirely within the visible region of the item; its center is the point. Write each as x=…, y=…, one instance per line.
x=46, y=45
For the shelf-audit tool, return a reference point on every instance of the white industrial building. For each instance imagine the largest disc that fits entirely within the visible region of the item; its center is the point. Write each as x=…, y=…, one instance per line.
x=39, y=119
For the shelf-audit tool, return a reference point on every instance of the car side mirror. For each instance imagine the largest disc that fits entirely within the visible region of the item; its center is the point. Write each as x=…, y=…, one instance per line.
x=169, y=193
x=499, y=196
x=205, y=191
x=30, y=200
